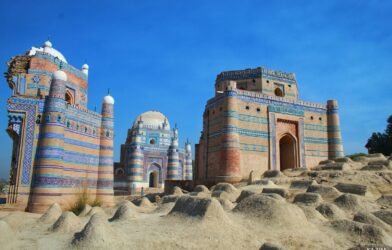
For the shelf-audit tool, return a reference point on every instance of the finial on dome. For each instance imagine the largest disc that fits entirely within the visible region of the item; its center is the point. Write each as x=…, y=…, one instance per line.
x=48, y=44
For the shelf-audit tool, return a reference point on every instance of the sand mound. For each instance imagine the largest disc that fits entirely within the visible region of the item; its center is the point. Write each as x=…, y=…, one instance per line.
x=384, y=215
x=376, y=157
x=96, y=234
x=67, y=222
x=360, y=232
x=280, y=191
x=312, y=214
x=14, y=220
x=226, y=204
x=326, y=162
x=302, y=184
x=348, y=202
x=124, y=212
x=271, y=209
x=96, y=210
x=227, y=187
x=370, y=246
x=6, y=234
x=385, y=200
x=201, y=194
x=371, y=219
x=52, y=214
x=169, y=198
x=146, y=203
x=201, y=188
x=325, y=191
x=271, y=246
x=203, y=208
x=226, y=191
x=351, y=188
x=344, y=159
x=308, y=198
x=331, y=211
x=265, y=182
x=177, y=191
x=272, y=174
x=87, y=208
x=244, y=194
x=164, y=208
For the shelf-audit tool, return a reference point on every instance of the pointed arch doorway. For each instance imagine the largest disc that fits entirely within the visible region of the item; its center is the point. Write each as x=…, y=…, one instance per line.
x=154, y=175
x=288, y=152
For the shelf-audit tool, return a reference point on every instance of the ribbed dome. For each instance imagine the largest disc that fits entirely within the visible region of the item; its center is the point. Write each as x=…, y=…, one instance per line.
x=153, y=119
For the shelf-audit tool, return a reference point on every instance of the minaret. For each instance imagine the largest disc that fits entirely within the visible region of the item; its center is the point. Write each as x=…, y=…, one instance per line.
x=230, y=158
x=335, y=146
x=136, y=159
x=85, y=69
x=48, y=168
x=188, y=161
x=173, y=165
x=105, y=165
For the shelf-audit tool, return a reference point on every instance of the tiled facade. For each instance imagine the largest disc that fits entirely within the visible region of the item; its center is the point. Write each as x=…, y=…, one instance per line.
x=151, y=154
x=60, y=148
x=255, y=121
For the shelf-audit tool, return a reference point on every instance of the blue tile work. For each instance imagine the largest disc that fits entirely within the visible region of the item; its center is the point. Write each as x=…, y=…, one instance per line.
x=302, y=142
x=30, y=109
x=272, y=140
x=257, y=73
x=240, y=131
x=285, y=110
x=270, y=100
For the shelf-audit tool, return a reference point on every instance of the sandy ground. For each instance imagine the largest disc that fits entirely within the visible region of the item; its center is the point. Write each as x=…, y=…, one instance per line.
x=301, y=209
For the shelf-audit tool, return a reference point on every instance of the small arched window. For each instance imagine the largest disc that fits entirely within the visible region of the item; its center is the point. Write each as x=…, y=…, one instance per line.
x=69, y=97
x=107, y=133
x=68, y=124
x=59, y=118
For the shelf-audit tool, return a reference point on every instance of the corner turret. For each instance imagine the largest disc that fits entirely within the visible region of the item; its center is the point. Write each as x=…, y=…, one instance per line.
x=188, y=161
x=105, y=165
x=47, y=181
x=335, y=146
x=173, y=168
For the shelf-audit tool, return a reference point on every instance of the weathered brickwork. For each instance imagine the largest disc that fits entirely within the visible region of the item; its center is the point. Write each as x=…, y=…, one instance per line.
x=256, y=122
x=61, y=149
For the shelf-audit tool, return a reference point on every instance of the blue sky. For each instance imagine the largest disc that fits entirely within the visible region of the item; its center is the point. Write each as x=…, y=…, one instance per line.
x=165, y=55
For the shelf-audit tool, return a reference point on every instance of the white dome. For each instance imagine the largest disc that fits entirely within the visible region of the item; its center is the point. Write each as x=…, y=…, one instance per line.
x=48, y=44
x=108, y=99
x=60, y=75
x=84, y=66
x=153, y=119
x=48, y=48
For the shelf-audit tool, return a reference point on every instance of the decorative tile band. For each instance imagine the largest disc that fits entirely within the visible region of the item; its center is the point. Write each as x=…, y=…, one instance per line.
x=285, y=110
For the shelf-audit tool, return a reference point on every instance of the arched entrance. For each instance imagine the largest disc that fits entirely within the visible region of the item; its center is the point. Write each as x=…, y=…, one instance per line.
x=154, y=175
x=153, y=179
x=288, y=152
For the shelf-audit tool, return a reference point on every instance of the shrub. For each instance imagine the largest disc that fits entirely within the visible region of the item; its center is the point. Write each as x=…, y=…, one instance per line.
x=82, y=200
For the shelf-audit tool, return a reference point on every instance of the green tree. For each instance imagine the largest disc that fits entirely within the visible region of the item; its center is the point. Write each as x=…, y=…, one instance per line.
x=381, y=142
